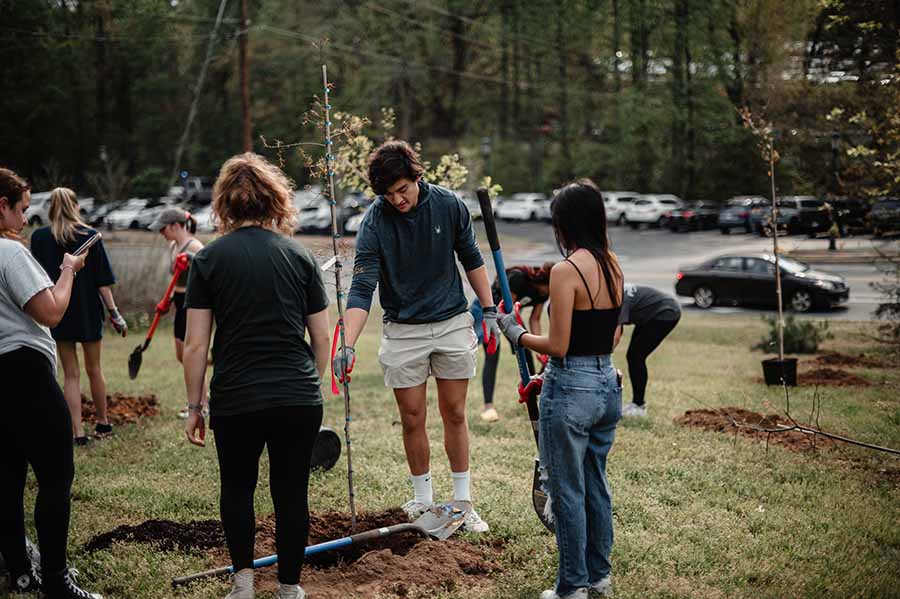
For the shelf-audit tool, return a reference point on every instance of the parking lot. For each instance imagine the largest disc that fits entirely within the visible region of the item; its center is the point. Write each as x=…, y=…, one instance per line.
x=652, y=257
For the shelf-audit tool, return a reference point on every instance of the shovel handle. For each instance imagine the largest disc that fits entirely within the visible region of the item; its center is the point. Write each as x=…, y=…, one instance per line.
x=192, y=577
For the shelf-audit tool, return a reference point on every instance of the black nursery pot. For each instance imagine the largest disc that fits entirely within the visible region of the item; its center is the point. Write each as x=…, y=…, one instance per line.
x=326, y=450
x=774, y=370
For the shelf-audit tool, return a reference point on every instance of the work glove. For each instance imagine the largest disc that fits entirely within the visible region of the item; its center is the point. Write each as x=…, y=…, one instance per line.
x=118, y=323
x=511, y=328
x=490, y=329
x=343, y=362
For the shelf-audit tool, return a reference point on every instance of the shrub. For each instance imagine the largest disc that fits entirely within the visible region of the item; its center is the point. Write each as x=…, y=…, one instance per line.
x=800, y=336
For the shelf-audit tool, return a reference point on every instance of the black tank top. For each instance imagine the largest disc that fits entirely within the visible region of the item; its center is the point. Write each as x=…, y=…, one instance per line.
x=593, y=330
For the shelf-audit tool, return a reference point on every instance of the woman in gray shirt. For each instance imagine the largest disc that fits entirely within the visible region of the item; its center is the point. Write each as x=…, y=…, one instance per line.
x=36, y=428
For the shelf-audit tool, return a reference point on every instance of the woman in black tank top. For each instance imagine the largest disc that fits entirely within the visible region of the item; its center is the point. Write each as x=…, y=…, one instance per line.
x=581, y=396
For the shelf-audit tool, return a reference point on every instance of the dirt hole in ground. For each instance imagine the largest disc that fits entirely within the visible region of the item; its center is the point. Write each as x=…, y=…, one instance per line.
x=121, y=408
x=738, y=420
x=858, y=361
x=831, y=376
x=399, y=565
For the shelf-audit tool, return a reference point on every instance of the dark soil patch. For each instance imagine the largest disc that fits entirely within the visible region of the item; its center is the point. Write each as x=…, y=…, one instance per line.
x=165, y=534
x=121, y=408
x=832, y=377
x=394, y=566
x=848, y=361
x=738, y=420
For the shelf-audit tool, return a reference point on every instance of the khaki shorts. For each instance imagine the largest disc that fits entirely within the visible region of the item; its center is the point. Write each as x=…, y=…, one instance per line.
x=445, y=349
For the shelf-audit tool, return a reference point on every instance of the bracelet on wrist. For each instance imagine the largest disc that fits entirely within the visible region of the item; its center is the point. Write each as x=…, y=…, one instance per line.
x=195, y=408
x=63, y=267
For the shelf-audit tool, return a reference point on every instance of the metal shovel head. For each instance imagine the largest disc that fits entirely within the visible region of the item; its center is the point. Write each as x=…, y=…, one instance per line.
x=443, y=519
x=134, y=361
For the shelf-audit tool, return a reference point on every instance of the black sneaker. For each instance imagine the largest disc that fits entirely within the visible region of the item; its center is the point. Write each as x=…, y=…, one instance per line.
x=63, y=587
x=25, y=582
x=82, y=441
x=102, y=431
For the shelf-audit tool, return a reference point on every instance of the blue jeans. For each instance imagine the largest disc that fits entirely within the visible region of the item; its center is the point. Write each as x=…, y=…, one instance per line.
x=580, y=406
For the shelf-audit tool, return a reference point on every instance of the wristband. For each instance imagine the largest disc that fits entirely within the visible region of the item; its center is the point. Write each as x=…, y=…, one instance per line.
x=63, y=267
x=195, y=408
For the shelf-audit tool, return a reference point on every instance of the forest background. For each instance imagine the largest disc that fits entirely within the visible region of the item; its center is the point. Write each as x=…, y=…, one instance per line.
x=636, y=94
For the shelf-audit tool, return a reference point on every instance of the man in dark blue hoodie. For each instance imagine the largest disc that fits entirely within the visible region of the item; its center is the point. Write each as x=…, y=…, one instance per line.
x=407, y=246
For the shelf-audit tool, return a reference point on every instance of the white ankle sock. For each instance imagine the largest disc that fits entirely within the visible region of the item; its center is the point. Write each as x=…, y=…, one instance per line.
x=461, y=491
x=422, y=488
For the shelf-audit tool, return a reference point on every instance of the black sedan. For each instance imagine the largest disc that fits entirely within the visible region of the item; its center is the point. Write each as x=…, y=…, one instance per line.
x=750, y=280
x=696, y=216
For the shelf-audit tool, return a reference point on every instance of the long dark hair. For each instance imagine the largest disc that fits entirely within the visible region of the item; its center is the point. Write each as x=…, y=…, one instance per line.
x=579, y=222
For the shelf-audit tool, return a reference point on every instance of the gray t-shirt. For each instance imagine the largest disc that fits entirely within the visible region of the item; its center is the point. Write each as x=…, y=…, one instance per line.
x=21, y=278
x=642, y=304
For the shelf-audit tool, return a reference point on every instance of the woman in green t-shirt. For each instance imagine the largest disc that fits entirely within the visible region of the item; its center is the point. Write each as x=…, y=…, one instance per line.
x=264, y=291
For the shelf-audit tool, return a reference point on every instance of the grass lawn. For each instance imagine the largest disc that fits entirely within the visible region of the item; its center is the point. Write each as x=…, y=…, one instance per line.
x=697, y=514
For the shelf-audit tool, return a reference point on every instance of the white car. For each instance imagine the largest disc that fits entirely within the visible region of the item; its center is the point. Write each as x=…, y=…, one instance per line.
x=471, y=201
x=38, y=213
x=616, y=202
x=651, y=209
x=204, y=219
x=524, y=206
x=136, y=213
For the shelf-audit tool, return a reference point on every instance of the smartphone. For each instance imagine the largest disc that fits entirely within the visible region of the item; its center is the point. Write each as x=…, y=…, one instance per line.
x=87, y=245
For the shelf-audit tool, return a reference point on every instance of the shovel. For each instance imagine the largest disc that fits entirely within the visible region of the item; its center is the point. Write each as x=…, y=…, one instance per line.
x=134, y=360
x=439, y=522
x=529, y=389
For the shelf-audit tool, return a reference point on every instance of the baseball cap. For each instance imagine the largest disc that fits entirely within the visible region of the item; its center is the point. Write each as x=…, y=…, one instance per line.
x=168, y=217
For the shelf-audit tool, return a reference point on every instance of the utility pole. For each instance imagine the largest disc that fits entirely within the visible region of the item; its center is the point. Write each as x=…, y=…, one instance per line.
x=247, y=127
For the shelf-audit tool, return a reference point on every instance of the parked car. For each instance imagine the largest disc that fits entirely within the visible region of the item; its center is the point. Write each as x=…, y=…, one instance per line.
x=204, y=219
x=37, y=214
x=524, y=206
x=738, y=213
x=471, y=201
x=651, y=209
x=750, y=280
x=197, y=191
x=795, y=213
x=695, y=216
x=884, y=216
x=615, y=203
x=97, y=217
x=136, y=213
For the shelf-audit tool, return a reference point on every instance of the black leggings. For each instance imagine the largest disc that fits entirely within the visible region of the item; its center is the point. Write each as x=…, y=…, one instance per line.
x=489, y=374
x=289, y=434
x=644, y=340
x=35, y=429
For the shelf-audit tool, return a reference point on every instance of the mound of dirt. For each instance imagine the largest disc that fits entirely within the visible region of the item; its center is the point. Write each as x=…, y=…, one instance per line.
x=121, y=408
x=165, y=534
x=859, y=361
x=738, y=420
x=392, y=566
x=831, y=376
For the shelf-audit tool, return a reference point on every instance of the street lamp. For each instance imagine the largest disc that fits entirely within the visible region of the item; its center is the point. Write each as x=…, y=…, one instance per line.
x=835, y=147
x=486, y=153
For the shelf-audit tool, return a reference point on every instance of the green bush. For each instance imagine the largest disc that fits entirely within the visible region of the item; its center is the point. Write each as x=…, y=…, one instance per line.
x=800, y=336
x=151, y=182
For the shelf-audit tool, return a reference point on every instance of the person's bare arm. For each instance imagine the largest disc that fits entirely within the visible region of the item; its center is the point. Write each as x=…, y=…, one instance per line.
x=196, y=348
x=562, y=302
x=49, y=306
x=318, y=327
x=478, y=279
x=534, y=321
x=354, y=322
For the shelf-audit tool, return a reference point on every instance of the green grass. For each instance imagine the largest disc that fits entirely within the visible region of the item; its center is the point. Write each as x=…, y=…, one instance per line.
x=697, y=514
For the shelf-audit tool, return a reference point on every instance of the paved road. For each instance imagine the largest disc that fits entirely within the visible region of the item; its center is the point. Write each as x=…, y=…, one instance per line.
x=653, y=257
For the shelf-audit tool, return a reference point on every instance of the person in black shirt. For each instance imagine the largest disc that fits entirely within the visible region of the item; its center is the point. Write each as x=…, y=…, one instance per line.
x=265, y=292
x=83, y=322
x=530, y=287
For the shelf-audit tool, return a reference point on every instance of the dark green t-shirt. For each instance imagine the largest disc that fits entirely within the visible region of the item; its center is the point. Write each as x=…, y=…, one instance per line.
x=260, y=287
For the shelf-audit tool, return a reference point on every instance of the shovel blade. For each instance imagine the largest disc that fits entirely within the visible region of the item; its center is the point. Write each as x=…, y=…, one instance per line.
x=134, y=361
x=443, y=519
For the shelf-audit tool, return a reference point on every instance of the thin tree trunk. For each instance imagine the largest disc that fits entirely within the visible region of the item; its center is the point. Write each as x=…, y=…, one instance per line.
x=244, y=59
x=617, y=46
x=563, y=86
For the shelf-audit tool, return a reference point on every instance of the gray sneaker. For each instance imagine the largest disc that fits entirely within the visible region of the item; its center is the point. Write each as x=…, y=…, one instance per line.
x=603, y=587
x=242, y=587
x=576, y=594
x=632, y=410
x=290, y=591
x=414, y=508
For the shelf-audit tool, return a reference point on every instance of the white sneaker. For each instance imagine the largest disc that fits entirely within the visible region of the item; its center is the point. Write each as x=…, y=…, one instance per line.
x=290, y=591
x=603, y=587
x=490, y=415
x=632, y=410
x=414, y=508
x=243, y=585
x=474, y=523
x=576, y=594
